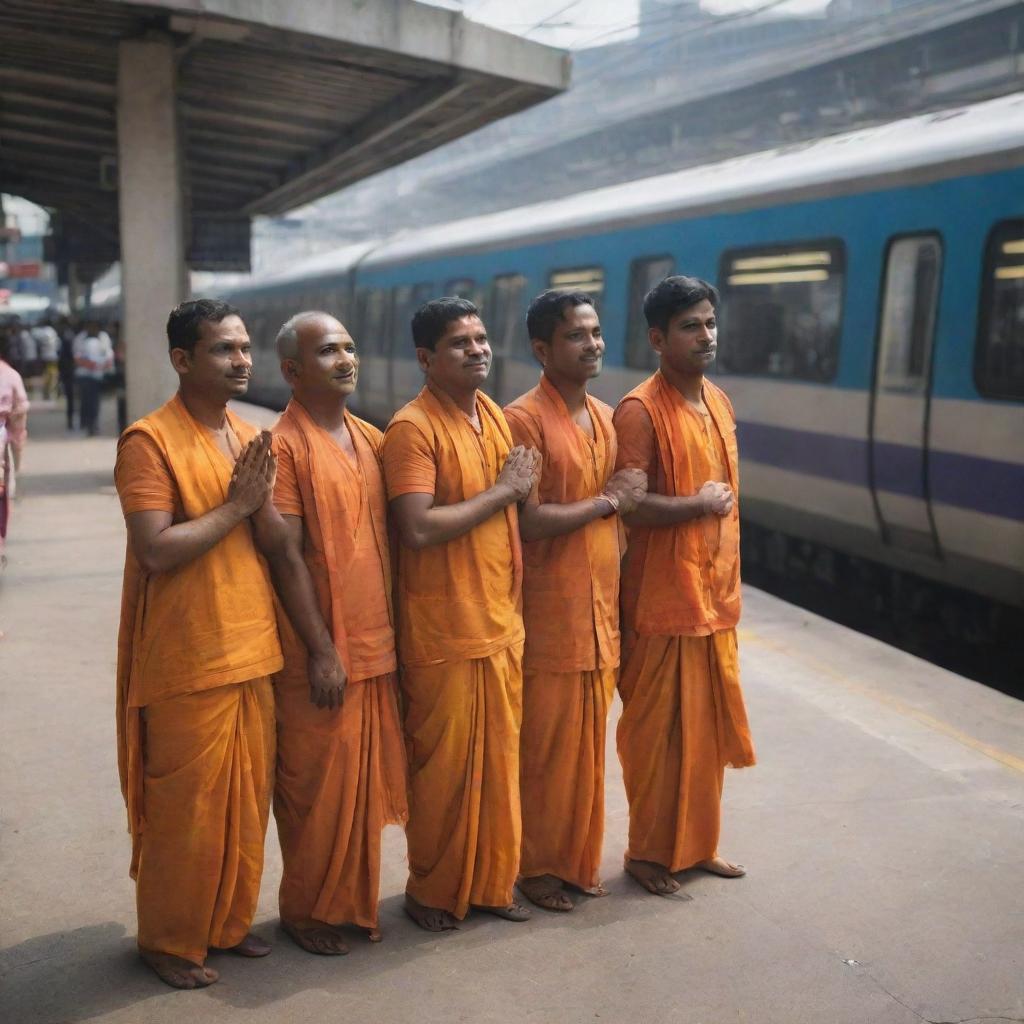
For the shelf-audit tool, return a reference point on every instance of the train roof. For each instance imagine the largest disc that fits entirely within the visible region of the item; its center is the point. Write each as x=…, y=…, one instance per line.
x=966, y=139
x=331, y=262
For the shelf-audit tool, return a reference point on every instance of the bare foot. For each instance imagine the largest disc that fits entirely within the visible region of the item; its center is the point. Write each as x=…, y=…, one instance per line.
x=430, y=918
x=374, y=934
x=546, y=891
x=653, y=877
x=321, y=939
x=596, y=891
x=513, y=912
x=250, y=946
x=719, y=866
x=176, y=972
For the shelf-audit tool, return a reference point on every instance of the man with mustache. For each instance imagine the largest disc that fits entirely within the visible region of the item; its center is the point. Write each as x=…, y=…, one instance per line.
x=571, y=551
x=683, y=718
x=197, y=646
x=341, y=759
x=454, y=479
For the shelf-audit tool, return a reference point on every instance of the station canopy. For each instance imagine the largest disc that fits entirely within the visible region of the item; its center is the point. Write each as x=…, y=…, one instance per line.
x=278, y=103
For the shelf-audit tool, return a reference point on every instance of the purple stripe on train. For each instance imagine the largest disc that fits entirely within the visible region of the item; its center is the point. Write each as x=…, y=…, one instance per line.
x=965, y=481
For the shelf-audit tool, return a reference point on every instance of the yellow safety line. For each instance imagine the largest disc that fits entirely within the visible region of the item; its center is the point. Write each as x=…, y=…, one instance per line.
x=1010, y=760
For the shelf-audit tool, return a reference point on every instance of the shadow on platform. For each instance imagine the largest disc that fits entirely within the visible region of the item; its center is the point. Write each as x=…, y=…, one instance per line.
x=79, y=975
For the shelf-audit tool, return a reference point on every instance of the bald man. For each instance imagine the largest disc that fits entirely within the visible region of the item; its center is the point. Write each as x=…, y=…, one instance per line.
x=341, y=759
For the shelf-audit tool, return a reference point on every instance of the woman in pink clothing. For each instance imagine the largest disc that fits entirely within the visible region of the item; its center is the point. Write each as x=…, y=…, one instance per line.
x=13, y=432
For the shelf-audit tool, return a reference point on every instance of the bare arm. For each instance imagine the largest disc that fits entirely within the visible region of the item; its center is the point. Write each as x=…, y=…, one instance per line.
x=161, y=545
x=422, y=524
x=664, y=510
x=280, y=540
x=621, y=494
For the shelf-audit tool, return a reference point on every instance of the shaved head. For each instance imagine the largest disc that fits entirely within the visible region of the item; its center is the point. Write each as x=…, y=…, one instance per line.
x=288, y=336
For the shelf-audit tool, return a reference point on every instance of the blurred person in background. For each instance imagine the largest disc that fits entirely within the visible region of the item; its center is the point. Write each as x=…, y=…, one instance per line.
x=94, y=359
x=66, y=367
x=14, y=407
x=47, y=348
x=29, y=352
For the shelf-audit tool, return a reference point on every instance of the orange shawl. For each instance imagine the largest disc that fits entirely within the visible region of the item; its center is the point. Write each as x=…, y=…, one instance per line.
x=336, y=527
x=205, y=624
x=674, y=583
x=459, y=600
x=570, y=582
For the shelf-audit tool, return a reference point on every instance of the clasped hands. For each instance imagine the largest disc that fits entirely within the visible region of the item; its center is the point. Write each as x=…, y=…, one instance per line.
x=717, y=497
x=625, y=490
x=521, y=471
x=252, y=479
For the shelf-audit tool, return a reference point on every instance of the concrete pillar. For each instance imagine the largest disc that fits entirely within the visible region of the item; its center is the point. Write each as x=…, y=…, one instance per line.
x=152, y=205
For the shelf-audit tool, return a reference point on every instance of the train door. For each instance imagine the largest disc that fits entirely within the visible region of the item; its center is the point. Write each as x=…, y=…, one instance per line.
x=901, y=393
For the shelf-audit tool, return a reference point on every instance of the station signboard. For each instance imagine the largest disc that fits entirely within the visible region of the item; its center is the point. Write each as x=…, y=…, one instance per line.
x=25, y=269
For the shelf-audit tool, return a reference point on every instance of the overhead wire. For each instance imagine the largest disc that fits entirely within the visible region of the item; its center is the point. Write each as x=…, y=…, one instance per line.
x=684, y=28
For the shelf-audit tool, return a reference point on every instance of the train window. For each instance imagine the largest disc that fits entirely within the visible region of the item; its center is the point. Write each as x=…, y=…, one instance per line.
x=407, y=299
x=506, y=323
x=373, y=321
x=910, y=300
x=579, y=279
x=466, y=288
x=999, y=354
x=337, y=303
x=644, y=274
x=782, y=310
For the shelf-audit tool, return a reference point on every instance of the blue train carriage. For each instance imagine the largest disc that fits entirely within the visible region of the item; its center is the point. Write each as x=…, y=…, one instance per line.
x=872, y=336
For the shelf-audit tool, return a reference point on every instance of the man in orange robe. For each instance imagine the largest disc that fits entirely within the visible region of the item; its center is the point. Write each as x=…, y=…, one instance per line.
x=340, y=756
x=571, y=551
x=197, y=646
x=683, y=718
x=454, y=479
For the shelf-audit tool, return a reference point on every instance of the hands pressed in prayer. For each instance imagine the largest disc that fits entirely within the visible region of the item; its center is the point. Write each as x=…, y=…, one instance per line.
x=521, y=470
x=252, y=480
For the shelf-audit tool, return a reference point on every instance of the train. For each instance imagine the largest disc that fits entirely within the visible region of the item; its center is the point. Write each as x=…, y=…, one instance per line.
x=871, y=325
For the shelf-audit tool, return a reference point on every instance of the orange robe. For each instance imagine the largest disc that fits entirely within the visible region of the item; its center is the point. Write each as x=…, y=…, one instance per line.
x=571, y=615
x=340, y=772
x=683, y=718
x=195, y=717
x=460, y=645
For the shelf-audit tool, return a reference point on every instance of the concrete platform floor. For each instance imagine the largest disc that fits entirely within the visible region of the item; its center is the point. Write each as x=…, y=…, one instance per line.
x=883, y=830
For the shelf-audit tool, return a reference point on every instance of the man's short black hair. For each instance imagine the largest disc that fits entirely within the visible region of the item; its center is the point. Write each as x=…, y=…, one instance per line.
x=431, y=320
x=549, y=307
x=673, y=295
x=183, y=323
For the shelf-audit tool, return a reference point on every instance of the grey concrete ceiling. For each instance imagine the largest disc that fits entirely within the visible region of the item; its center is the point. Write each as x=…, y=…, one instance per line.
x=280, y=103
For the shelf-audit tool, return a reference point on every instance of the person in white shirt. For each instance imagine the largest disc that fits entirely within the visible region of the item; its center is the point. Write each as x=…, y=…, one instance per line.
x=29, y=353
x=94, y=359
x=48, y=348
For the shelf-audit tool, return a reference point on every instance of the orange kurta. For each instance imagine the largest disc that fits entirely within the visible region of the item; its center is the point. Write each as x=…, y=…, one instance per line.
x=194, y=714
x=340, y=772
x=460, y=645
x=571, y=615
x=683, y=715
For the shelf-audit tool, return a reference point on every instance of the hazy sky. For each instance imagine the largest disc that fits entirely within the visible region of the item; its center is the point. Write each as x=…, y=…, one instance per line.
x=587, y=22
